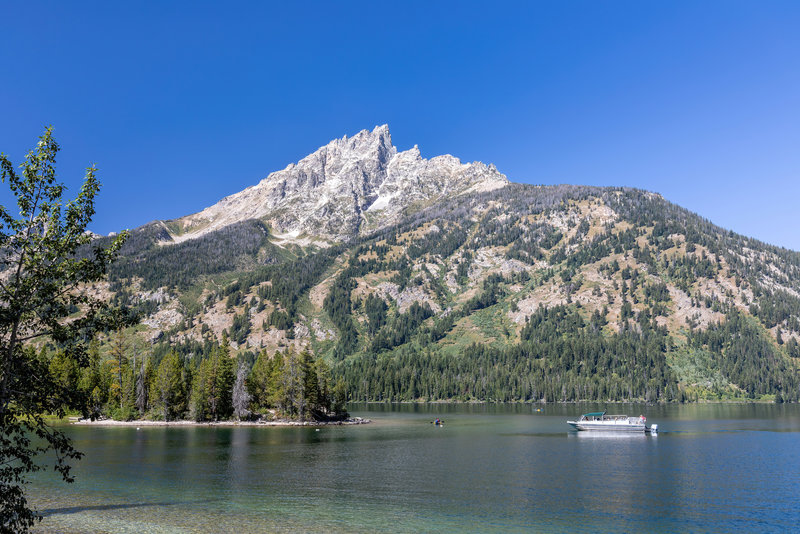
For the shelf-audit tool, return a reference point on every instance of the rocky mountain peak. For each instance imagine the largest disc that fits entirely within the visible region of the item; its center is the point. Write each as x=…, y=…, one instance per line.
x=365, y=145
x=350, y=186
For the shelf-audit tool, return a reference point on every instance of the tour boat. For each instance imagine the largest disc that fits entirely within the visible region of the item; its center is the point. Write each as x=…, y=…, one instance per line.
x=612, y=423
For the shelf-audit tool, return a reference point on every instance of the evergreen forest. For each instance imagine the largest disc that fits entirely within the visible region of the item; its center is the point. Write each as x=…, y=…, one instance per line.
x=526, y=293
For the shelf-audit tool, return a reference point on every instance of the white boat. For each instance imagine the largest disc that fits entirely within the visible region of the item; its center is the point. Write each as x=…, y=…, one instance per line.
x=612, y=423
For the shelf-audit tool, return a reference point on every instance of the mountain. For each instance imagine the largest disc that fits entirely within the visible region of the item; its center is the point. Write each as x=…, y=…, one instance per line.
x=346, y=188
x=431, y=279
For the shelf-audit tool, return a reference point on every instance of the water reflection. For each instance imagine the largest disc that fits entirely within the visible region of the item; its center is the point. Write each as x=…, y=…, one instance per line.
x=491, y=468
x=622, y=436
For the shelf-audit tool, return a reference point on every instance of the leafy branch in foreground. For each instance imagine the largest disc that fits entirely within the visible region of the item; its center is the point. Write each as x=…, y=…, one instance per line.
x=45, y=294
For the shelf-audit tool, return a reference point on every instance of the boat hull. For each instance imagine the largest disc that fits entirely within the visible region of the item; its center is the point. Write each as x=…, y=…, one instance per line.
x=610, y=426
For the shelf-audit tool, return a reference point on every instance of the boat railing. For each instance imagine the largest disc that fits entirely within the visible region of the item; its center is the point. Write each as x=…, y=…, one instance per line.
x=612, y=418
x=603, y=417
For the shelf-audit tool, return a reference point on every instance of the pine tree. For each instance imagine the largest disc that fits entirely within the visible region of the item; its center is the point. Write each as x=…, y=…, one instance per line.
x=309, y=396
x=90, y=380
x=199, y=398
x=219, y=382
x=259, y=380
x=276, y=386
x=324, y=383
x=167, y=391
x=118, y=364
x=291, y=384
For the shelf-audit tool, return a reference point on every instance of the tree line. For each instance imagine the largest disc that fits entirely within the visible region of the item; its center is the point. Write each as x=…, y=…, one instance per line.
x=124, y=382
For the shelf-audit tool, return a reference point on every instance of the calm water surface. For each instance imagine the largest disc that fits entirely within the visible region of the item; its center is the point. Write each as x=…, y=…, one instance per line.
x=490, y=468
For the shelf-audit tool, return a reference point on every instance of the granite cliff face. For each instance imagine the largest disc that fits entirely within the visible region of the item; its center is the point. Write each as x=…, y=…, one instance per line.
x=345, y=188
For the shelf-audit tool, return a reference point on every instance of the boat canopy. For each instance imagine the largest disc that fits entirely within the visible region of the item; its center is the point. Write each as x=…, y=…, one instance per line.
x=594, y=414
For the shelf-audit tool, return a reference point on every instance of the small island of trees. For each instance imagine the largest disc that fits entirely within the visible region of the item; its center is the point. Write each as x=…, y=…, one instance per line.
x=121, y=383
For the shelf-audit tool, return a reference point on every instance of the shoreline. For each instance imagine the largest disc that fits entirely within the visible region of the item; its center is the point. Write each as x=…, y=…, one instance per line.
x=282, y=422
x=555, y=403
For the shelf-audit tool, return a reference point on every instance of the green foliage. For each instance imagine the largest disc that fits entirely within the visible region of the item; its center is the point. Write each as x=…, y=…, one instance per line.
x=394, y=360
x=291, y=386
x=122, y=383
x=168, y=389
x=401, y=328
x=280, y=320
x=462, y=268
x=288, y=281
x=260, y=382
x=560, y=358
x=646, y=250
x=440, y=243
x=295, y=385
x=492, y=292
x=44, y=283
x=375, y=308
x=339, y=308
x=64, y=370
x=240, y=328
x=212, y=386
x=776, y=307
x=311, y=391
x=700, y=376
x=181, y=265
x=748, y=359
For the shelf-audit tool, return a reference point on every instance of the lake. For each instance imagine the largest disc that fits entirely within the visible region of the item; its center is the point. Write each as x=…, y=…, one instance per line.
x=489, y=468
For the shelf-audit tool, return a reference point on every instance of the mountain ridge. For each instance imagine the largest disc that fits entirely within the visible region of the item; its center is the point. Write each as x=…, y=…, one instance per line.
x=516, y=292
x=344, y=188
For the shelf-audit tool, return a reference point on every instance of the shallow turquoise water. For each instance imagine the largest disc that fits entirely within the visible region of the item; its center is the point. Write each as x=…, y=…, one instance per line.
x=490, y=468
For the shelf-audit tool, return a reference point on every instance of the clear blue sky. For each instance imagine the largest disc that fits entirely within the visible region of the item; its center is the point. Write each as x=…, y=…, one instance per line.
x=180, y=104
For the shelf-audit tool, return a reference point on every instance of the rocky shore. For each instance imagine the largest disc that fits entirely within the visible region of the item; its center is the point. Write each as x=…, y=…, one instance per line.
x=277, y=422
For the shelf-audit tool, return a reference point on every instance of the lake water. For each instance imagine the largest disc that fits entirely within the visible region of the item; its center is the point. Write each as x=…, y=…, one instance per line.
x=489, y=468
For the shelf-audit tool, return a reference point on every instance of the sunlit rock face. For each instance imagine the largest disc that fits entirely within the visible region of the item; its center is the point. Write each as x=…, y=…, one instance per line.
x=348, y=187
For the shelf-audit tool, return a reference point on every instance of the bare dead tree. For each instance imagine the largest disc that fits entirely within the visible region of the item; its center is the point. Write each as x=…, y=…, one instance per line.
x=241, y=398
x=141, y=389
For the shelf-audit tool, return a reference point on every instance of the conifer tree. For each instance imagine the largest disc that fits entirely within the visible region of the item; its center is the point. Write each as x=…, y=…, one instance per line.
x=324, y=386
x=118, y=363
x=219, y=380
x=167, y=390
x=310, y=391
x=259, y=380
x=276, y=388
x=291, y=384
x=199, y=397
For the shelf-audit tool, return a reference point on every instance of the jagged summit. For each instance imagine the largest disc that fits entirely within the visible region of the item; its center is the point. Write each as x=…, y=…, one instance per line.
x=349, y=186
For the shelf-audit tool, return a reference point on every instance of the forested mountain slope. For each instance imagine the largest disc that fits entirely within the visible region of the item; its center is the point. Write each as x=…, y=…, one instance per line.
x=512, y=293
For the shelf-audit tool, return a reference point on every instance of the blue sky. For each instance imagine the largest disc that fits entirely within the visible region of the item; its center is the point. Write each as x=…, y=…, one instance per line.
x=180, y=104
